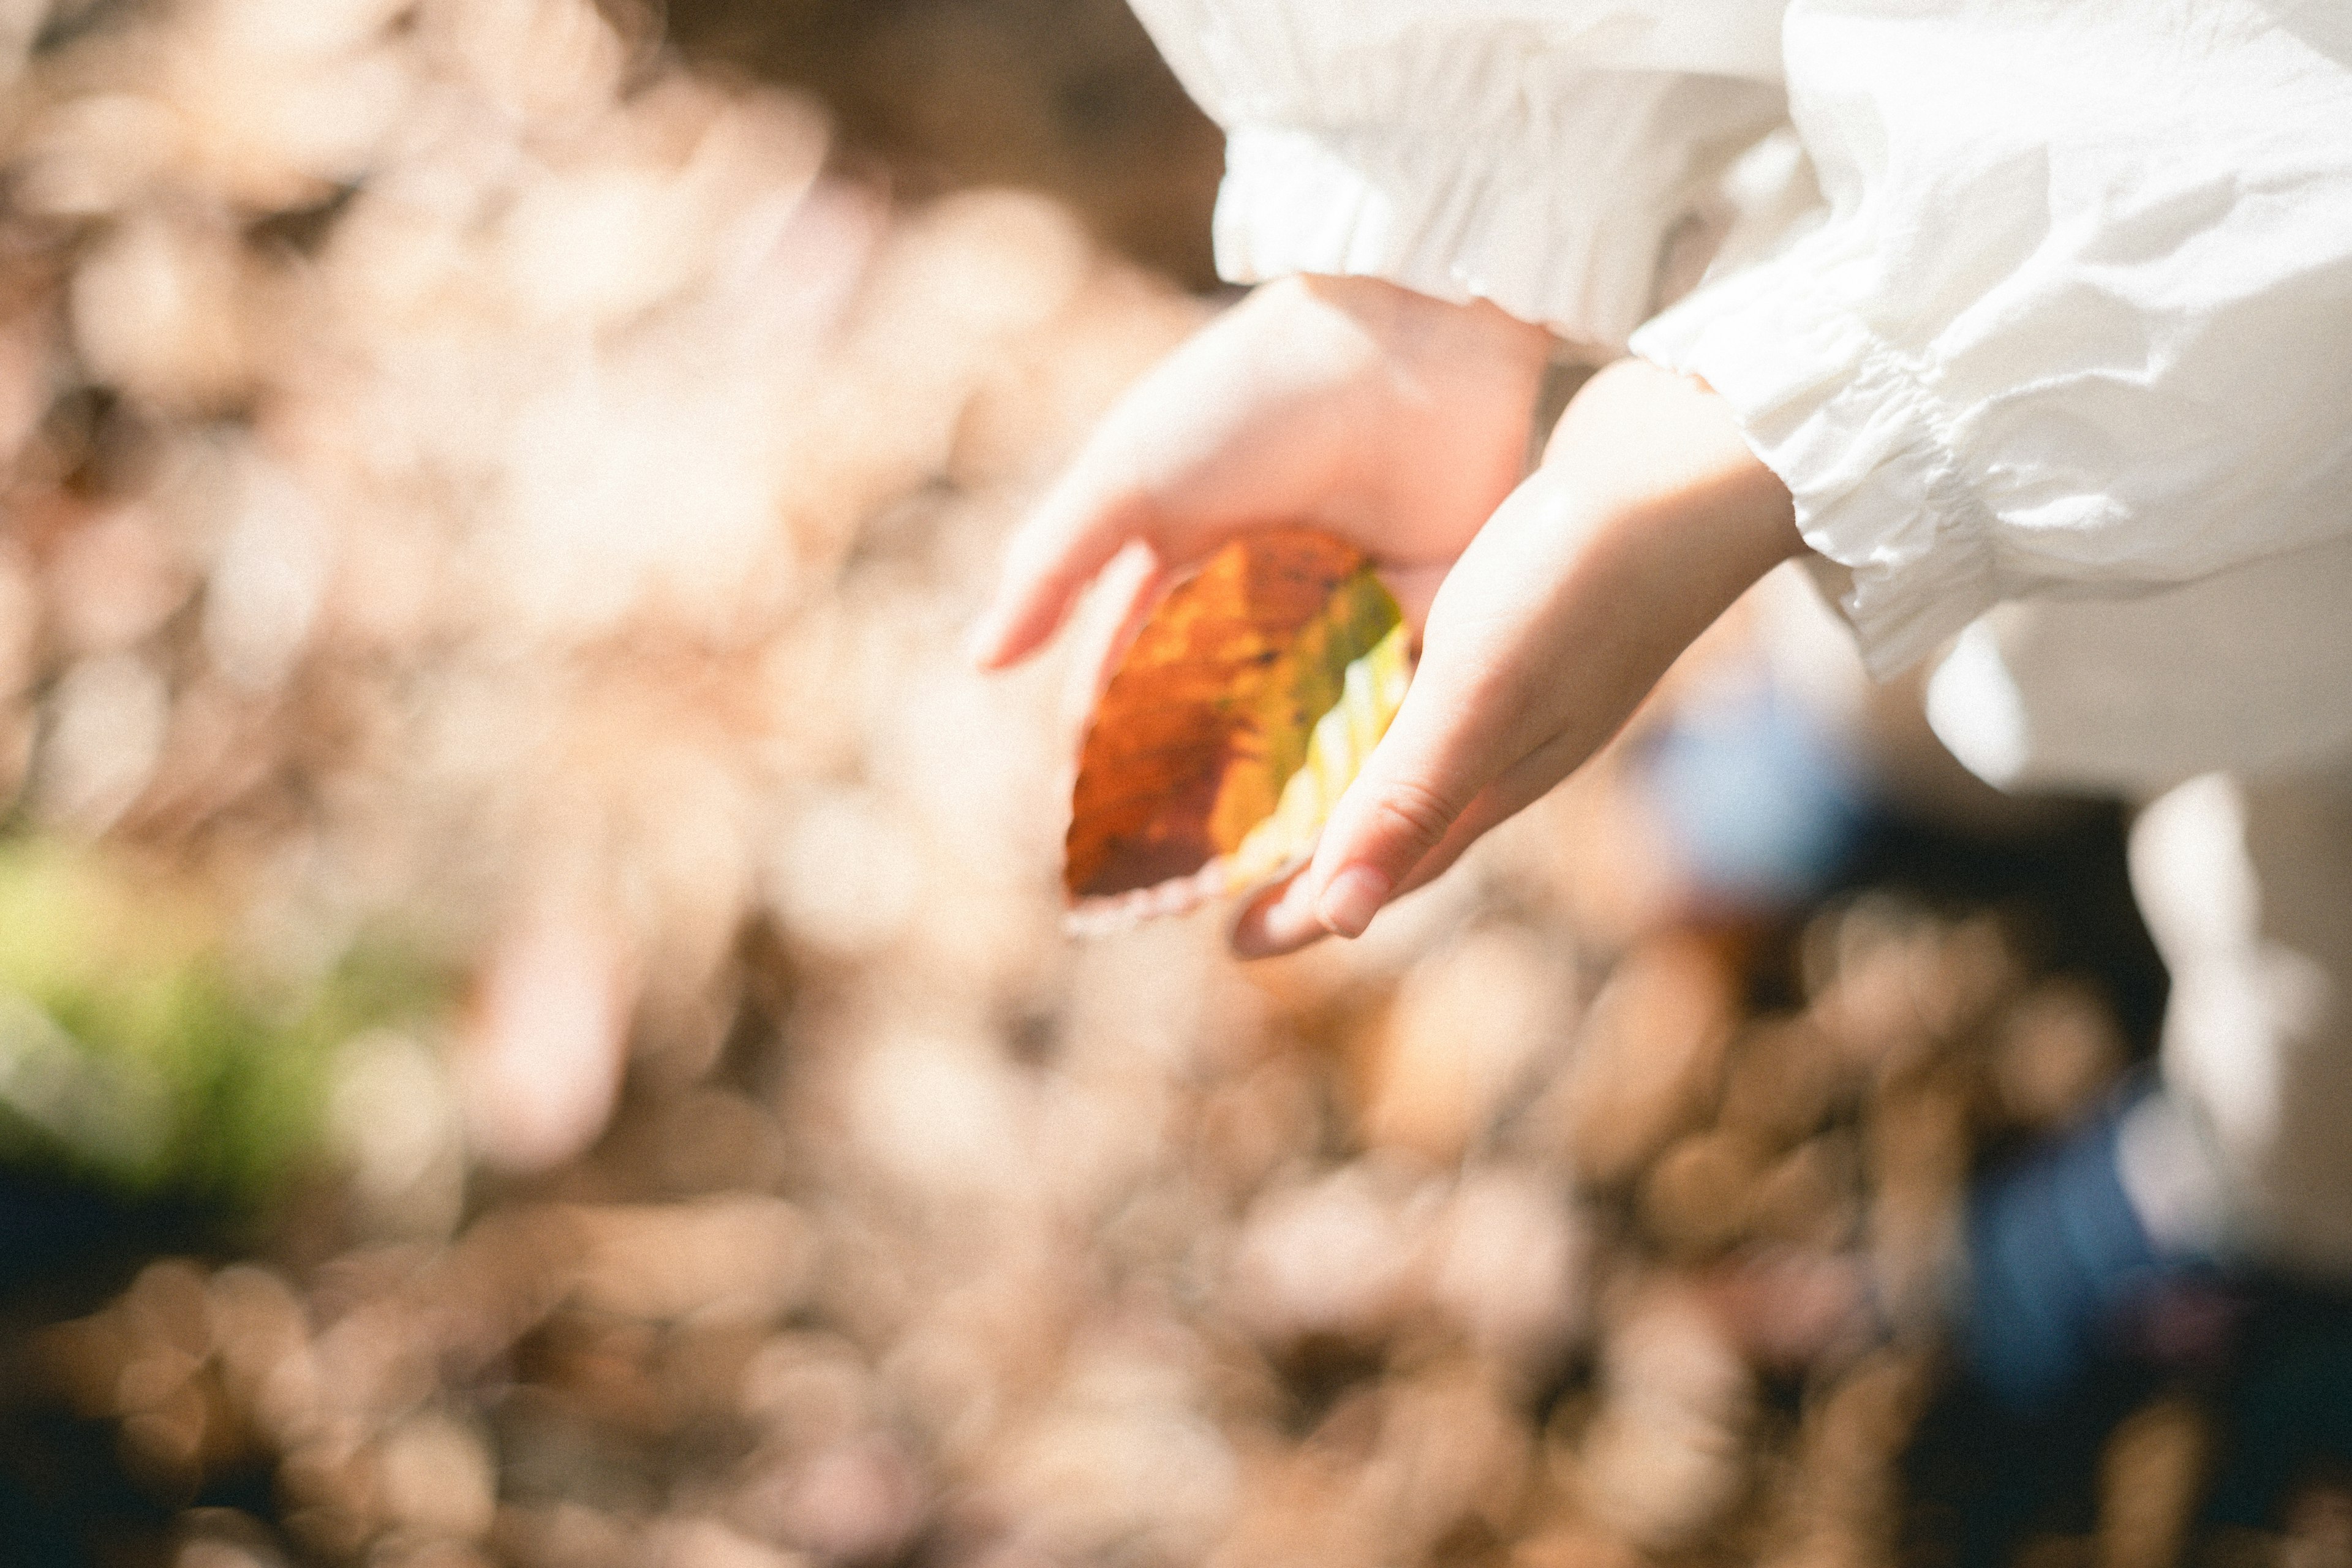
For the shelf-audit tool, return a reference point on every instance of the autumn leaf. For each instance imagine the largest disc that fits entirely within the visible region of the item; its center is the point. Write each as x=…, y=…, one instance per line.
x=1246, y=703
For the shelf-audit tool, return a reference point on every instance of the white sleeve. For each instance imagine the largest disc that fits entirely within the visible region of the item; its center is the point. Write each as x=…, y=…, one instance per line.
x=1534, y=153
x=2079, y=320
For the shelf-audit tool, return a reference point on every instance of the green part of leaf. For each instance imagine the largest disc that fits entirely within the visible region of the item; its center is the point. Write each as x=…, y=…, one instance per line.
x=1336, y=745
x=1310, y=682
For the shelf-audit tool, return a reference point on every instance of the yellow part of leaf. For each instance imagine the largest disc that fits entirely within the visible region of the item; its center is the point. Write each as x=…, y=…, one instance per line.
x=1372, y=689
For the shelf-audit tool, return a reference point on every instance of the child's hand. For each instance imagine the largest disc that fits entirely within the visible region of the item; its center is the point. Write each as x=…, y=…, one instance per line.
x=1391, y=419
x=1648, y=518
x=1399, y=423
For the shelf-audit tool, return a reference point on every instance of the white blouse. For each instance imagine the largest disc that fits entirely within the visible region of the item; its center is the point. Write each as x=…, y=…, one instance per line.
x=2040, y=307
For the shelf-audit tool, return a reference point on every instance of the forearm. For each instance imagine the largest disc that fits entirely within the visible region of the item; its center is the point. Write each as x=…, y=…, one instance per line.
x=1648, y=518
x=1678, y=515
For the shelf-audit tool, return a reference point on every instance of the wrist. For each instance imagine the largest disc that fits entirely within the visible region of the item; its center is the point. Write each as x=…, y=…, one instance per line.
x=1662, y=458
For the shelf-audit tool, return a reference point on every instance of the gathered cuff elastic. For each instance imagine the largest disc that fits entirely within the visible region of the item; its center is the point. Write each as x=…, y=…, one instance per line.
x=1442, y=217
x=1860, y=442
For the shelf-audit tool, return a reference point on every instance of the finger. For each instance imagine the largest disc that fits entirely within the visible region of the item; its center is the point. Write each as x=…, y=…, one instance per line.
x=1166, y=432
x=1519, y=786
x=1441, y=750
x=1482, y=701
x=1109, y=617
x=1094, y=510
x=1284, y=918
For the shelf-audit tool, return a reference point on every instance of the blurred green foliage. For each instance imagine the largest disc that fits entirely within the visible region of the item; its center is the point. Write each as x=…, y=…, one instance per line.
x=137, y=1053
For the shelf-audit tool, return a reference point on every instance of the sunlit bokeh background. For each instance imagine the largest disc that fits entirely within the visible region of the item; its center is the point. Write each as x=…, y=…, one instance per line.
x=534, y=1023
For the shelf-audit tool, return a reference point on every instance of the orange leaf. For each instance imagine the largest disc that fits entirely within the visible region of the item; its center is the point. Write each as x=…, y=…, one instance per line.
x=1243, y=708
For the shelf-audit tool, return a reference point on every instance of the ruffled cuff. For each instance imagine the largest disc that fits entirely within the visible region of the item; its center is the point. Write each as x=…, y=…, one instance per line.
x=1443, y=217
x=1530, y=153
x=1862, y=445
x=1464, y=156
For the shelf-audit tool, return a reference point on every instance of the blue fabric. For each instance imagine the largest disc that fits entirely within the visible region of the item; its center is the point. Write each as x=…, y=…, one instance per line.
x=1761, y=800
x=2056, y=1256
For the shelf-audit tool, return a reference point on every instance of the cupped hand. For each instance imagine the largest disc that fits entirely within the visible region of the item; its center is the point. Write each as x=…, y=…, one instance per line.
x=1400, y=423
x=1392, y=420
x=1647, y=517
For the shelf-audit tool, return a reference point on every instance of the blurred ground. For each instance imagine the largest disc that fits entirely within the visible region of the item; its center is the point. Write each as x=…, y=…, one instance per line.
x=1063, y=96
x=536, y=1029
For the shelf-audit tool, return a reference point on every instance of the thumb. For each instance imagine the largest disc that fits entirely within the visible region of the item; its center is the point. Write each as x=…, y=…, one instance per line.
x=1386, y=826
x=1456, y=730
x=1481, y=701
x=1420, y=779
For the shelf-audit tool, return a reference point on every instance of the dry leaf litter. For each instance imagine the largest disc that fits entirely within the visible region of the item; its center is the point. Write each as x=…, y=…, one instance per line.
x=465, y=467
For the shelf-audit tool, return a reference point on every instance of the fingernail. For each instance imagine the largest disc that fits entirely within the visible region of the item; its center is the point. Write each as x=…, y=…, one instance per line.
x=1351, y=899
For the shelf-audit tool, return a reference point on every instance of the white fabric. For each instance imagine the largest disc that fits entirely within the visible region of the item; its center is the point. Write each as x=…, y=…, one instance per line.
x=2175, y=1179
x=1538, y=154
x=2073, y=323
x=2245, y=885
x=2080, y=319
x=2249, y=670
